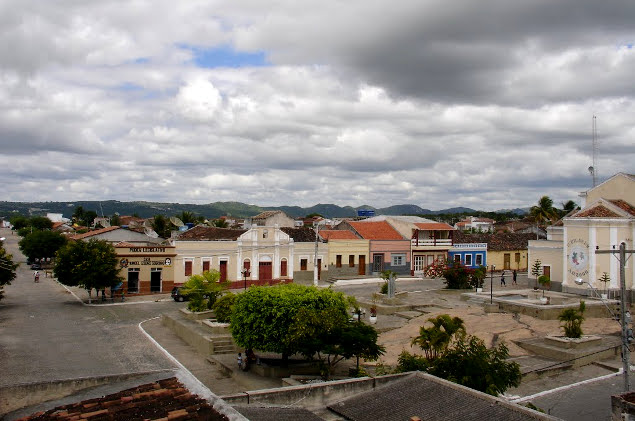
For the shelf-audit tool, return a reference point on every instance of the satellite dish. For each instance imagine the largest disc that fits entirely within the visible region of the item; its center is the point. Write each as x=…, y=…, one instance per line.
x=105, y=223
x=151, y=233
x=147, y=224
x=176, y=221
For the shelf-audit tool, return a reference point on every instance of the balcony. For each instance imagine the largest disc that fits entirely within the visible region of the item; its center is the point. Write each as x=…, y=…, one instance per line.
x=443, y=242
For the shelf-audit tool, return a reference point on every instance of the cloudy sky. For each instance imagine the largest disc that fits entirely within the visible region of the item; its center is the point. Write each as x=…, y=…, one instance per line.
x=486, y=104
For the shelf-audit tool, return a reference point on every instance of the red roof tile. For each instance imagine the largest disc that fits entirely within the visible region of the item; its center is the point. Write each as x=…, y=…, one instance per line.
x=376, y=230
x=434, y=226
x=203, y=233
x=597, y=212
x=338, y=235
x=624, y=206
x=93, y=233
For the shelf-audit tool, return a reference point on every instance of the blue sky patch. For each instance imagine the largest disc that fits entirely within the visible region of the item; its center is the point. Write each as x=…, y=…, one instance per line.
x=225, y=56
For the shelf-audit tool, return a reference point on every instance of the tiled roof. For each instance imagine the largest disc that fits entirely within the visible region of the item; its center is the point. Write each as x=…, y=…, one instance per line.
x=266, y=214
x=496, y=241
x=376, y=230
x=597, y=212
x=128, y=220
x=203, y=233
x=259, y=413
x=624, y=205
x=338, y=235
x=300, y=234
x=436, y=226
x=164, y=399
x=93, y=233
x=430, y=398
x=126, y=245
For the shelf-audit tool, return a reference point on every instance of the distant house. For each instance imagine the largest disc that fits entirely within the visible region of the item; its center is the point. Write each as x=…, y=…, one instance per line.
x=507, y=251
x=472, y=223
x=303, y=255
x=389, y=250
x=116, y=235
x=471, y=255
x=62, y=227
x=273, y=218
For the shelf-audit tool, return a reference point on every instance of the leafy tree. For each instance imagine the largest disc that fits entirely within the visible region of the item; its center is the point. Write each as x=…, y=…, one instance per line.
x=41, y=223
x=19, y=221
x=606, y=279
x=572, y=319
x=41, y=244
x=83, y=217
x=478, y=276
x=435, y=340
x=544, y=212
x=219, y=223
x=263, y=316
x=203, y=290
x=544, y=281
x=568, y=206
x=536, y=270
x=161, y=225
x=471, y=364
x=7, y=269
x=224, y=307
x=187, y=217
x=91, y=264
x=465, y=360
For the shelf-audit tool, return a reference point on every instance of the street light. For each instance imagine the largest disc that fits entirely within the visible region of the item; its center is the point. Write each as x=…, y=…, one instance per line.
x=244, y=272
x=491, y=284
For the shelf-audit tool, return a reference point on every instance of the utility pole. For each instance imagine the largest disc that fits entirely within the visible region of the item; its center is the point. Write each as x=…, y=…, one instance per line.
x=627, y=333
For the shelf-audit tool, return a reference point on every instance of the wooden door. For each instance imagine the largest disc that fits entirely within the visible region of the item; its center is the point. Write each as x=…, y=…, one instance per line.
x=205, y=266
x=265, y=272
x=507, y=261
x=319, y=263
x=362, y=265
x=546, y=270
x=223, y=270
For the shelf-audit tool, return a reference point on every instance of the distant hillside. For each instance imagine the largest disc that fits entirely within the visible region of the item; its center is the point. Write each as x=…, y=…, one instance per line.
x=212, y=210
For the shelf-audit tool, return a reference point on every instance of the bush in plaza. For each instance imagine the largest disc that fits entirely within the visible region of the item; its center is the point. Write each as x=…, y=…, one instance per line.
x=572, y=319
x=458, y=276
x=224, y=307
x=203, y=290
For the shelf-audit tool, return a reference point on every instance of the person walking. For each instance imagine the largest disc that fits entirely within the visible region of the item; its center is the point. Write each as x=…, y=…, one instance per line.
x=36, y=276
x=503, y=279
x=514, y=275
x=240, y=360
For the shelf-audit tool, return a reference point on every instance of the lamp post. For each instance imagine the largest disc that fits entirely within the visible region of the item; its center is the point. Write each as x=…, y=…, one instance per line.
x=244, y=272
x=491, y=284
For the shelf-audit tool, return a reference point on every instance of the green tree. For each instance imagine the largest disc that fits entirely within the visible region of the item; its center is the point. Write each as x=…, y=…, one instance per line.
x=543, y=280
x=83, y=217
x=219, y=223
x=572, y=319
x=41, y=223
x=263, y=316
x=471, y=364
x=19, y=221
x=161, y=225
x=435, y=340
x=41, y=244
x=567, y=207
x=224, y=307
x=7, y=269
x=544, y=212
x=115, y=220
x=536, y=270
x=91, y=264
x=605, y=279
x=187, y=217
x=203, y=290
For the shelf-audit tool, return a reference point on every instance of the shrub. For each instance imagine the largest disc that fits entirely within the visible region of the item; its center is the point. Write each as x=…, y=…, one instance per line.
x=457, y=276
x=572, y=319
x=224, y=306
x=384, y=288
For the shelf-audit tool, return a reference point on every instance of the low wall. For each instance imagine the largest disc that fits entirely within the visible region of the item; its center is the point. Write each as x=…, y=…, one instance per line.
x=24, y=395
x=312, y=395
x=203, y=344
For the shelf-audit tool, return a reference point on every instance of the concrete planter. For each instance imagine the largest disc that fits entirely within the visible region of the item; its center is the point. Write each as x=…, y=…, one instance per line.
x=198, y=315
x=373, y=320
x=478, y=290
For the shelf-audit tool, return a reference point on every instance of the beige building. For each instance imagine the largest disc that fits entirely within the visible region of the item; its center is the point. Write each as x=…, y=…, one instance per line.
x=606, y=220
x=272, y=219
x=146, y=269
x=347, y=253
x=259, y=255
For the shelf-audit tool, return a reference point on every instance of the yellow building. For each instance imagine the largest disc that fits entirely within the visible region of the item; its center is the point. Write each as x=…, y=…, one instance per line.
x=347, y=253
x=606, y=220
x=146, y=269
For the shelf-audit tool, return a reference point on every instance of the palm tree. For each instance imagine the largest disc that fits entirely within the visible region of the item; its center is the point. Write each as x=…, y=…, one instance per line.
x=568, y=206
x=435, y=340
x=544, y=212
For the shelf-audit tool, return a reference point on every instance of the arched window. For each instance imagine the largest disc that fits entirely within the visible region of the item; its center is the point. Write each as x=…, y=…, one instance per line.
x=283, y=267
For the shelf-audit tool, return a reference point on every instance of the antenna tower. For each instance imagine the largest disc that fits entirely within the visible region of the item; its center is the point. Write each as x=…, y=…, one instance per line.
x=593, y=169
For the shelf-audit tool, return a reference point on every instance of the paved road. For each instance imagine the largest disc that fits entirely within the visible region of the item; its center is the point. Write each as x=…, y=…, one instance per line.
x=46, y=334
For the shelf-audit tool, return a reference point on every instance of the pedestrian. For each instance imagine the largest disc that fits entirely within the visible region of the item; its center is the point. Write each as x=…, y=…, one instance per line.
x=36, y=276
x=514, y=275
x=240, y=360
x=503, y=279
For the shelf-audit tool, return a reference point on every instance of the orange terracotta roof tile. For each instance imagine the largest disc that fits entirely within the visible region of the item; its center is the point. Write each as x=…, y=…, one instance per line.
x=94, y=232
x=338, y=235
x=624, y=205
x=597, y=212
x=376, y=230
x=436, y=226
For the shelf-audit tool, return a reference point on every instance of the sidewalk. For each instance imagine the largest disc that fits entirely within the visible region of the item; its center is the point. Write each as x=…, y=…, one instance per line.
x=82, y=295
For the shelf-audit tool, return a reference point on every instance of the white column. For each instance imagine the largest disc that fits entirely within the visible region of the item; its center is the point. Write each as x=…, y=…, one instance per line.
x=565, y=258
